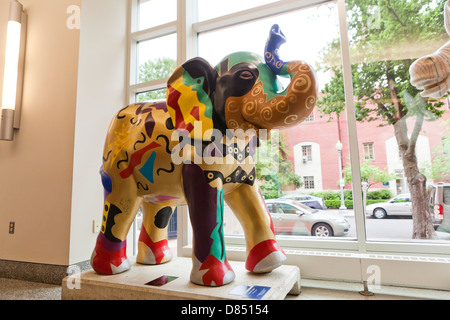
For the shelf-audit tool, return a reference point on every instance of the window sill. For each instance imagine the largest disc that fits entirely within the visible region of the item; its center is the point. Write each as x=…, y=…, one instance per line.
x=384, y=269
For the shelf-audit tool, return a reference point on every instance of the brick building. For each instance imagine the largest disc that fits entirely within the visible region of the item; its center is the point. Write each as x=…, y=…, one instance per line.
x=313, y=150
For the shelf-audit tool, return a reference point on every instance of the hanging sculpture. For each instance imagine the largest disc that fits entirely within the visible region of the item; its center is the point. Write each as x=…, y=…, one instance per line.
x=188, y=149
x=432, y=73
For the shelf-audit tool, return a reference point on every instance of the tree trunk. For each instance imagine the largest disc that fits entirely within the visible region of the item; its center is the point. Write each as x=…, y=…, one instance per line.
x=422, y=225
x=417, y=182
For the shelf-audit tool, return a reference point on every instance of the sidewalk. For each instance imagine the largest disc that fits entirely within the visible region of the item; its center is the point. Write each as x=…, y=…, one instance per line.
x=345, y=213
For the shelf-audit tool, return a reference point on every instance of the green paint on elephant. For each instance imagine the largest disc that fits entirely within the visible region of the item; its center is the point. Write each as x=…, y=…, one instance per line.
x=272, y=87
x=197, y=85
x=218, y=246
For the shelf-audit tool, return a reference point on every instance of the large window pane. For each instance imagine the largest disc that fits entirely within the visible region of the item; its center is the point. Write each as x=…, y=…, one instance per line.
x=307, y=31
x=307, y=159
x=156, y=58
x=152, y=13
x=209, y=9
x=401, y=134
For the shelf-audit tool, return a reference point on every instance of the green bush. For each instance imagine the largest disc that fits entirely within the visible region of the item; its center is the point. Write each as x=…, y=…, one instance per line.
x=383, y=194
x=333, y=198
x=335, y=204
x=379, y=194
x=269, y=190
x=327, y=195
x=348, y=194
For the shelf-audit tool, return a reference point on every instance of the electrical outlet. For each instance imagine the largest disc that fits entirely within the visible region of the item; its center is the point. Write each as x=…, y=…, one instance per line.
x=12, y=226
x=96, y=225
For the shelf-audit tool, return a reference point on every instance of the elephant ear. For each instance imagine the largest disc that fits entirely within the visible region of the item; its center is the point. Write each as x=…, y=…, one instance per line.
x=189, y=97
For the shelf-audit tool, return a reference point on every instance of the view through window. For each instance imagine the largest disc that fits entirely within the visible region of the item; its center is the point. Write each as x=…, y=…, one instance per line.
x=402, y=145
x=401, y=131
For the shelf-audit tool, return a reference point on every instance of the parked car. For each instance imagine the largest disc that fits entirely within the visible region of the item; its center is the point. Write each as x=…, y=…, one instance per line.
x=293, y=217
x=311, y=201
x=399, y=205
x=439, y=201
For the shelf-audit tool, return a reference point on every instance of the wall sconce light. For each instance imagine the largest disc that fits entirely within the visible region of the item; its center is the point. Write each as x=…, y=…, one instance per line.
x=13, y=72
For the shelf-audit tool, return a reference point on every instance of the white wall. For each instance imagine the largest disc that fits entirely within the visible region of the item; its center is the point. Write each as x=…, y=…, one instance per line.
x=101, y=93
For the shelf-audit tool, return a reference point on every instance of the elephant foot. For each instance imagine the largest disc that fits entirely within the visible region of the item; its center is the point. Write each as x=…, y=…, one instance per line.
x=211, y=272
x=150, y=252
x=109, y=257
x=265, y=257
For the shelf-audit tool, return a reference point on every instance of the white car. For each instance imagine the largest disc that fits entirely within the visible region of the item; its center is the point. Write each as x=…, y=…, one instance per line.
x=399, y=205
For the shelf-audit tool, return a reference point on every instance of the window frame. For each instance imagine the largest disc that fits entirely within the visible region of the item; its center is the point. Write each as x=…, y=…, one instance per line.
x=370, y=155
x=308, y=182
x=355, y=254
x=307, y=152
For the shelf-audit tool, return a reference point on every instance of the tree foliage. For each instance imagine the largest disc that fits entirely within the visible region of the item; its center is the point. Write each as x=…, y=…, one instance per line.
x=273, y=167
x=384, y=39
x=159, y=68
x=369, y=173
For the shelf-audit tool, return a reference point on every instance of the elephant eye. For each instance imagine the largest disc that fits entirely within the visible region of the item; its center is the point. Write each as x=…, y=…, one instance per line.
x=246, y=75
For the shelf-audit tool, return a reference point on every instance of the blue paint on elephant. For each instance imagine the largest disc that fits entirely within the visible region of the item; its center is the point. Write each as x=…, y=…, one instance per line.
x=276, y=39
x=106, y=182
x=147, y=169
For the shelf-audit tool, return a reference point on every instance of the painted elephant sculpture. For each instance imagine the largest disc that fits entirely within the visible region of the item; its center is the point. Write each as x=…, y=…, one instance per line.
x=432, y=72
x=187, y=150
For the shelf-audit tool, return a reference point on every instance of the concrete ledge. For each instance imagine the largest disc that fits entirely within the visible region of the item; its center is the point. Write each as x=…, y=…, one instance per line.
x=133, y=284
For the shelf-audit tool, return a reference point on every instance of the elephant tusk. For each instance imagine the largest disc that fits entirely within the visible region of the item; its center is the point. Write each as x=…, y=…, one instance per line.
x=271, y=56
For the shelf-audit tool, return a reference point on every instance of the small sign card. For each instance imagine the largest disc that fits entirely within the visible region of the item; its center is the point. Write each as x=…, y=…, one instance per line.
x=158, y=282
x=256, y=292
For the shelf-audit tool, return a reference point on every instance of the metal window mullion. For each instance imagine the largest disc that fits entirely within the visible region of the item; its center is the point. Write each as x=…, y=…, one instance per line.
x=131, y=50
x=148, y=86
x=352, y=131
x=186, y=35
x=186, y=49
x=155, y=32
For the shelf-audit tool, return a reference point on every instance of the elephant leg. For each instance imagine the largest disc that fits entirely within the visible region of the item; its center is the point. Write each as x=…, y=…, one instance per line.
x=209, y=263
x=263, y=252
x=120, y=208
x=153, y=247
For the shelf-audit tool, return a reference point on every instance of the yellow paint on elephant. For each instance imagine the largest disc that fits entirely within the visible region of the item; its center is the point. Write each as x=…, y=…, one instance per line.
x=124, y=138
x=187, y=110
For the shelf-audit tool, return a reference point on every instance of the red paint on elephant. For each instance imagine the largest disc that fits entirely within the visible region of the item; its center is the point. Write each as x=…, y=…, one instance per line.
x=136, y=159
x=172, y=101
x=216, y=271
x=108, y=255
x=157, y=248
x=261, y=251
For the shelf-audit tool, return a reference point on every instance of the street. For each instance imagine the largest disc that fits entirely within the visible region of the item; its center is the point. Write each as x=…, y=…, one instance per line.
x=392, y=227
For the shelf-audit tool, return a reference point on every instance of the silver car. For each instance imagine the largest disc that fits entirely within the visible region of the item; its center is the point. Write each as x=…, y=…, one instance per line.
x=439, y=201
x=399, y=205
x=293, y=217
x=311, y=201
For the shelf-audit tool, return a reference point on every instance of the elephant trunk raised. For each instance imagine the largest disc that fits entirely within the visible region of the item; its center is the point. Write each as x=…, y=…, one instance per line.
x=267, y=107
